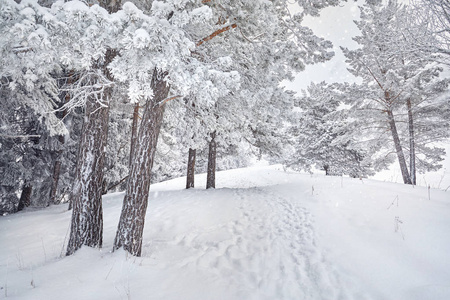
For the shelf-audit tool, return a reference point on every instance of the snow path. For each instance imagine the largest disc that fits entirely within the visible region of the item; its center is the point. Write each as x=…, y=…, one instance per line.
x=265, y=249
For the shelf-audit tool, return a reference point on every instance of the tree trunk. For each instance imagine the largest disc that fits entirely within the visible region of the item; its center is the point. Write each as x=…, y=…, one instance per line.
x=134, y=128
x=25, y=196
x=211, y=176
x=131, y=224
x=62, y=140
x=326, y=168
x=398, y=149
x=55, y=180
x=191, y=169
x=56, y=172
x=412, y=146
x=87, y=219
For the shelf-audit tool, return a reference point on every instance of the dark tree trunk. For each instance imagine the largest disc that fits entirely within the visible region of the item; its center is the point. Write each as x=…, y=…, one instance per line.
x=55, y=180
x=398, y=148
x=134, y=128
x=87, y=218
x=412, y=146
x=131, y=224
x=56, y=173
x=190, y=169
x=25, y=196
x=211, y=175
x=326, y=168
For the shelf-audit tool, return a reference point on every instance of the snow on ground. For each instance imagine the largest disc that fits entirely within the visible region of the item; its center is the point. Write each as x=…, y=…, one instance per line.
x=262, y=234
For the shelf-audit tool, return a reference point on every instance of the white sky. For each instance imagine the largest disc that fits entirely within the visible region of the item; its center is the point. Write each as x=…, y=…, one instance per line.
x=336, y=25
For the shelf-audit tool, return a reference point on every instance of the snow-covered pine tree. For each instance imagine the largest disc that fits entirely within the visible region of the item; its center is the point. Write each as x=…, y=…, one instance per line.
x=319, y=134
x=29, y=92
x=170, y=63
x=87, y=191
x=433, y=15
x=393, y=92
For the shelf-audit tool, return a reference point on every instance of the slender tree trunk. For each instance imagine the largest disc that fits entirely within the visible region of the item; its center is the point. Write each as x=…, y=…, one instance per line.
x=190, y=169
x=131, y=224
x=211, y=175
x=55, y=180
x=326, y=168
x=134, y=128
x=398, y=149
x=25, y=196
x=62, y=140
x=412, y=146
x=56, y=173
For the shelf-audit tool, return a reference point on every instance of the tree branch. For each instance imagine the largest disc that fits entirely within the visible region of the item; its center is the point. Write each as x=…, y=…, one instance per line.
x=162, y=102
x=216, y=33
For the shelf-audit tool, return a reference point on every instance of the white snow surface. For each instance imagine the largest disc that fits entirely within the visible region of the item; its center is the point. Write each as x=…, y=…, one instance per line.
x=262, y=234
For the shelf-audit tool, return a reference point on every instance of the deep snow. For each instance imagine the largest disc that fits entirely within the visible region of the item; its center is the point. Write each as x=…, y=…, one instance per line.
x=262, y=234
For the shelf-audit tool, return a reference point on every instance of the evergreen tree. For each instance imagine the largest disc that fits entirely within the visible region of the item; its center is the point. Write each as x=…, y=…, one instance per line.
x=395, y=90
x=319, y=134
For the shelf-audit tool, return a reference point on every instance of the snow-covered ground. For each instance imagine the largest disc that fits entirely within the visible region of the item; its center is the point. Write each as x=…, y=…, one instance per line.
x=262, y=234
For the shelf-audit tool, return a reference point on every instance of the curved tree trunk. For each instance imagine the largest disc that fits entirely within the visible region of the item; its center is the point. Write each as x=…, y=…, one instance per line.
x=398, y=148
x=412, y=146
x=211, y=175
x=191, y=169
x=131, y=224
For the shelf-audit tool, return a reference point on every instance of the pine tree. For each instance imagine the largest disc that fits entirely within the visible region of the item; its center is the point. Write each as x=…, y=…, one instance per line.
x=87, y=191
x=319, y=134
x=396, y=89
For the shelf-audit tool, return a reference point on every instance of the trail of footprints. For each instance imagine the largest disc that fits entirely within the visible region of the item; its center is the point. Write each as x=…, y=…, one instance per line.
x=269, y=251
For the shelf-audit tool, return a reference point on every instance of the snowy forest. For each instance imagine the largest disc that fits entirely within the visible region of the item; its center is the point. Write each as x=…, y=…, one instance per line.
x=107, y=96
x=99, y=100
x=113, y=96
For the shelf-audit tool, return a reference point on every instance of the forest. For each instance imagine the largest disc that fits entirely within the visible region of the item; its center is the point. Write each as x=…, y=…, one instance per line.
x=110, y=96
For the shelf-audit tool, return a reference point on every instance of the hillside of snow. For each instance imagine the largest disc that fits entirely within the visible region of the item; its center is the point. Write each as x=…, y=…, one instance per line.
x=262, y=234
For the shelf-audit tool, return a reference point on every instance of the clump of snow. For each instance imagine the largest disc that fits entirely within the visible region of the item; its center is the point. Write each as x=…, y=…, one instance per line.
x=262, y=234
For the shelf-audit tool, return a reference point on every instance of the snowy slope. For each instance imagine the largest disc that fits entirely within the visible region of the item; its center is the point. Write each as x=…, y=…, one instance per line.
x=262, y=234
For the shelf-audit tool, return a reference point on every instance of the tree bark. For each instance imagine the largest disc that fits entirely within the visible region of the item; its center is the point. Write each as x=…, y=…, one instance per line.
x=134, y=128
x=412, y=146
x=398, y=148
x=131, y=224
x=211, y=175
x=55, y=180
x=56, y=172
x=191, y=168
x=87, y=218
x=25, y=196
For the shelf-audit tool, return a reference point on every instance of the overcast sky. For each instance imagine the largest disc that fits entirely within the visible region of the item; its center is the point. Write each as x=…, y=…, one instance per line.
x=335, y=24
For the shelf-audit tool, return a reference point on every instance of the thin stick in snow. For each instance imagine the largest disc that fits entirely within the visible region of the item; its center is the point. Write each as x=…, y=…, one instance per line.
x=393, y=202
